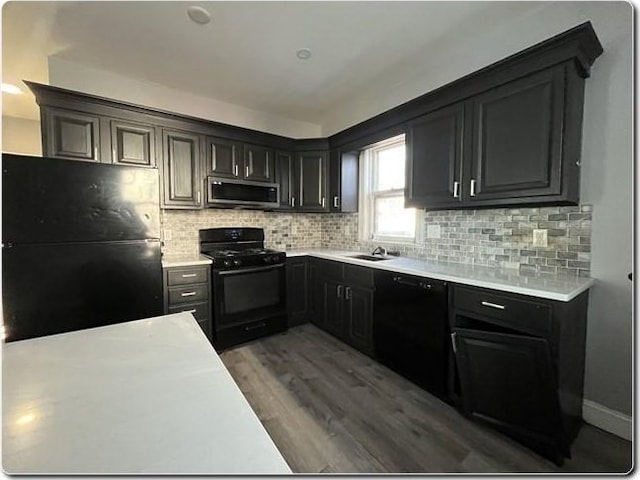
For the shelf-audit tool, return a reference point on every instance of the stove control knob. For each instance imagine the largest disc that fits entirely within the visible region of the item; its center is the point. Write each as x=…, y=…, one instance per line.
x=227, y=263
x=268, y=259
x=237, y=263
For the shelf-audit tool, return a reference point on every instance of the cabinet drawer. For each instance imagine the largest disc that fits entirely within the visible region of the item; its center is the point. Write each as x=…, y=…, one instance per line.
x=199, y=310
x=358, y=276
x=184, y=276
x=511, y=311
x=188, y=294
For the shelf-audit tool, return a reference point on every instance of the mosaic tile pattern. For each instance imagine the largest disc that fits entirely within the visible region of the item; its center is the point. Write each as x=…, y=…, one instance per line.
x=283, y=231
x=496, y=237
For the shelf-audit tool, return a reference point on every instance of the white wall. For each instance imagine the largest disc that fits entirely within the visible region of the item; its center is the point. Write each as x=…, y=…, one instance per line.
x=74, y=76
x=606, y=158
x=20, y=135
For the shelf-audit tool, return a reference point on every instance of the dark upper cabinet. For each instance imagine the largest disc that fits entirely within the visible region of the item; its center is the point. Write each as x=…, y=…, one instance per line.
x=181, y=170
x=259, y=164
x=312, y=181
x=343, y=181
x=133, y=144
x=517, y=143
x=285, y=177
x=434, y=158
x=223, y=158
x=71, y=135
x=517, y=139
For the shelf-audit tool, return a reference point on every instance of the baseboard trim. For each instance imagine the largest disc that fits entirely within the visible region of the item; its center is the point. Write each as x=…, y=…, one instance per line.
x=608, y=420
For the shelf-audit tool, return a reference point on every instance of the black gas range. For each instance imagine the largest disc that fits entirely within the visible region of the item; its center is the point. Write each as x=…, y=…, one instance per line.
x=248, y=287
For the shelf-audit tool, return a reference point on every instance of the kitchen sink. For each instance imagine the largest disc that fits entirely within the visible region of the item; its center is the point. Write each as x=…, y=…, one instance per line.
x=372, y=258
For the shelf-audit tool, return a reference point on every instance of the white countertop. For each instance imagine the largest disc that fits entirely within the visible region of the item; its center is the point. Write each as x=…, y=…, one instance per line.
x=148, y=396
x=184, y=260
x=553, y=287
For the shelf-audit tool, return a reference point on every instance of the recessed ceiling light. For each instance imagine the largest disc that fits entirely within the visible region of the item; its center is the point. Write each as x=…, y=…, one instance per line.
x=199, y=15
x=303, y=54
x=10, y=88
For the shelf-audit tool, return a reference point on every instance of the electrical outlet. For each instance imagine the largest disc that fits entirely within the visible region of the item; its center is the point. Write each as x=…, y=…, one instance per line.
x=540, y=238
x=433, y=231
x=167, y=234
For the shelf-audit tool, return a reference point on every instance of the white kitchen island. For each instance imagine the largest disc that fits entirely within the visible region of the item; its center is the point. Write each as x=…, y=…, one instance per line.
x=149, y=396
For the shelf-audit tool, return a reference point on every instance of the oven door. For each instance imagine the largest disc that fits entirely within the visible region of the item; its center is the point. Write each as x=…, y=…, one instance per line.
x=248, y=294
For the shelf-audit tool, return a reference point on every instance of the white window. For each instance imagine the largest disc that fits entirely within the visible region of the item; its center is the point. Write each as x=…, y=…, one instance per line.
x=383, y=216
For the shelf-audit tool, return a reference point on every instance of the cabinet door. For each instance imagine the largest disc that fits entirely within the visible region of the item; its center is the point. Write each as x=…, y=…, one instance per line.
x=259, y=164
x=297, y=291
x=434, y=158
x=509, y=381
x=223, y=158
x=332, y=311
x=358, y=309
x=343, y=181
x=316, y=294
x=285, y=175
x=133, y=144
x=312, y=178
x=517, y=139
x=71, y=135
x=181, y=169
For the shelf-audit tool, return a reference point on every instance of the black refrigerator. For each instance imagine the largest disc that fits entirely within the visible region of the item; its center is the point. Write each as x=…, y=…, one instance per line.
x=80, y=245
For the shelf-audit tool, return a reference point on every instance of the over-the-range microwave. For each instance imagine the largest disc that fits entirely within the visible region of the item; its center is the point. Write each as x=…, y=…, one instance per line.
x=231, y=192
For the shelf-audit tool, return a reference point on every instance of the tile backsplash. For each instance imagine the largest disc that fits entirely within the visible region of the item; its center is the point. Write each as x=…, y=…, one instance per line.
x=494, y=237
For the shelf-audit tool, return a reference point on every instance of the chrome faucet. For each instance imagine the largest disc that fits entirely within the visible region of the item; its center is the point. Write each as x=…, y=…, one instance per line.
x=379, y=251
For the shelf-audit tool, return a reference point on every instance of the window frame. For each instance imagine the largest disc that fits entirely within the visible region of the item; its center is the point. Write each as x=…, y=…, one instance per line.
x=368, y=196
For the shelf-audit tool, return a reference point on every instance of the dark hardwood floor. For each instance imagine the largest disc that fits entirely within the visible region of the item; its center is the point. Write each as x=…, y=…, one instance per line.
x=330, y=409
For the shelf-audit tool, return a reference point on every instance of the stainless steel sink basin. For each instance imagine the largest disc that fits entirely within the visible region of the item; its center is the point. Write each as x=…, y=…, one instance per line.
x=372, y=258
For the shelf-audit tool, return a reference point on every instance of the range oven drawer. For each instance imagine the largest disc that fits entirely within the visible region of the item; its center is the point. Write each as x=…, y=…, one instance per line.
x=230, y=336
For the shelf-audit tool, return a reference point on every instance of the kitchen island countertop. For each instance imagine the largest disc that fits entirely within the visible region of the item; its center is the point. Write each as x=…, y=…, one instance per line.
x=148, y=396
x=553, y=287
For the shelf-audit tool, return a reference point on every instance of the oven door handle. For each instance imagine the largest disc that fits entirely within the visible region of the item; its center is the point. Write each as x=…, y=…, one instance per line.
x=250, y=270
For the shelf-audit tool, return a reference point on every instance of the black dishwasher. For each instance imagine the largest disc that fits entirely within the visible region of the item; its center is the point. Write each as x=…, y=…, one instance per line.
x=410, y=329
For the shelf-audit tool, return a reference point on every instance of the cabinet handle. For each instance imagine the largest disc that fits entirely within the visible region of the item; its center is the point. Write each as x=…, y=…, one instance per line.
x=293, y=201
x=473, y=188
x=193, y=310
x=493, y=305
x=339, y=291
x=114, y=155
x=246, y=171
x=347, y=293
x=336, y=201
x=199, y=196
x=188, y=294
x=189, y=275
x=456, y=189
x=235, y=169
x=322, y=202
x=453, y=343
x=255, y=327
x=95, y=152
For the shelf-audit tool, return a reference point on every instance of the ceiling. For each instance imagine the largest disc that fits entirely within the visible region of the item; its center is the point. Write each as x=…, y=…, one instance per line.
x=246, y=55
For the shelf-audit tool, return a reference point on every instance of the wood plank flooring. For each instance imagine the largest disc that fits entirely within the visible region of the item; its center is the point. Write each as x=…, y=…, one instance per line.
x=330, y=409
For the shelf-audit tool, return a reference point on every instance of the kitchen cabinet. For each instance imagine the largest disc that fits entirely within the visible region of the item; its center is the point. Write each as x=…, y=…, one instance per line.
x=348, y=304
x=303, y=180
x=520, y=363
x=186, y=289
x=70, y=134
x=297, y=291
x=505, y=146
x=343, y=181
x=232, y=159
x=132, y=143
x=181, y=170
x=315, y=289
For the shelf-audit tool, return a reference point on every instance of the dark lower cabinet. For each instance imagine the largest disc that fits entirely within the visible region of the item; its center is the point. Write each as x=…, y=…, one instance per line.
x=520, y=365
x=187, y=289
x=297, y=290
x=358, y=318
